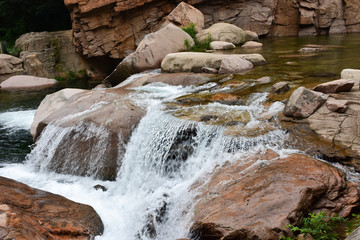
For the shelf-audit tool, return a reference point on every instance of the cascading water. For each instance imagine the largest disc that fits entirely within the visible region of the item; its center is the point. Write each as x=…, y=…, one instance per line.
x=154, y=193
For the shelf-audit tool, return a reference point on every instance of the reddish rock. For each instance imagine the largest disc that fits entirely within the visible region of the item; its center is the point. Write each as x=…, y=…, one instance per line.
x=224, y=97
x=303, y=102
x=123, y=23
x=29, y=213
x=94, y=127
x=150, y=52
x=184, y=14
x=334, y=105
x=341, y=85
x=22, y=82
x=255, y=199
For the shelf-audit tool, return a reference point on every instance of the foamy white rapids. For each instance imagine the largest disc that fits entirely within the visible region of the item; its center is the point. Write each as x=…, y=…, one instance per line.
x=17, y=119
x=153, y=196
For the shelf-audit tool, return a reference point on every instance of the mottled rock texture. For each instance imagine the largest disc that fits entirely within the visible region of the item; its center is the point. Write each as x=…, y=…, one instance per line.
x=113, y=26
x=29, y=213
x=256, y=198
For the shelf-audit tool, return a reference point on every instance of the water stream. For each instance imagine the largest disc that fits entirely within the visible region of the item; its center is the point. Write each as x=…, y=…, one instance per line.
x=167, y=155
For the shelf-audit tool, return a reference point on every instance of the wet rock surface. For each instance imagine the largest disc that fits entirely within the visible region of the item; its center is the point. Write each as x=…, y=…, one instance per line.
x=29, y=213
x=256, y=198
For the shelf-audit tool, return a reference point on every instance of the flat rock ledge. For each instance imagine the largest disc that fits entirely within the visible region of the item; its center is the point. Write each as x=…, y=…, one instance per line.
x=23, y=82
x=29, y=213
x=195, y=62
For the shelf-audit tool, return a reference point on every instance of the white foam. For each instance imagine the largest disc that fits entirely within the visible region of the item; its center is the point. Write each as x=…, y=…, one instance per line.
x=17, y=119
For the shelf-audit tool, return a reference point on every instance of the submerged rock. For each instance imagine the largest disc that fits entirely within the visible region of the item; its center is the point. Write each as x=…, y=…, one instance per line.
x=258, y=197
x=280, y=87
x=29, y=213
x=252, y=44
x=22, y=82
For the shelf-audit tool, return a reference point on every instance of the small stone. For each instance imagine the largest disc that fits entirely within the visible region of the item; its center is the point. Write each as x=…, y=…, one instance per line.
x=234, y=64
x=224, y=97
x=221, y=45
x=209, y=70
x=310, y=49
x=304, y=102
x=100, y=187
x=334, y=105
x=263, y=80
x=251, y=36
x=341, y=85
x=280, y=87
x=252, y=44
x=206, y=118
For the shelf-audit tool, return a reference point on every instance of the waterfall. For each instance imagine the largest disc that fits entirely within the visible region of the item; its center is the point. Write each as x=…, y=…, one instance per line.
x=166, y=162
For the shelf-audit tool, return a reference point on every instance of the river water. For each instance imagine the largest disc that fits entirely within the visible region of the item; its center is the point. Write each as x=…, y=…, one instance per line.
x=153, y=196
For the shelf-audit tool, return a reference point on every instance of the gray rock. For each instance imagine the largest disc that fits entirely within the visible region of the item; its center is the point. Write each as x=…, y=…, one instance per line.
x=355, y=235
x=194, y=62
x=223, y=32
x=280, y=87
x=9, y=66
x=353, y=74
x=234, y=64
x=220, y=45
x=303, y=102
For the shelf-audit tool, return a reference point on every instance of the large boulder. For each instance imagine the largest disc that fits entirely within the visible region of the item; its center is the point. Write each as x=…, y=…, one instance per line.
x=194, y=62
x=22, y=82
x=183, y=15
x=50, y=104
x=257, y=198
x=57, y=55
x=29, y=213
x=223, y=32
x=150, y=52
x=9, y=66
x=303, y=102
x=88, y=133
x=353, y=74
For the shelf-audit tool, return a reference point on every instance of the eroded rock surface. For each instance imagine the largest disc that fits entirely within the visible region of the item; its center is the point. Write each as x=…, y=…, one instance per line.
x=29, y=213
x=123, y=23
x=9, y=66
x=253, y=199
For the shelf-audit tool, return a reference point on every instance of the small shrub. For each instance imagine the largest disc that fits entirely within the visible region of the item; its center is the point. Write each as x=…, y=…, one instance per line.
x=352, y=224
x=320, y=226
x=199, y=46
x=14, y=51
x=73, y=76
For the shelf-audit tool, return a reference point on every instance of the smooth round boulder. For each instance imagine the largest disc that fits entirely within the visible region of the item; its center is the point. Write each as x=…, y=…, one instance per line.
x=23, y=82
x=252, y=44
x=223, y=32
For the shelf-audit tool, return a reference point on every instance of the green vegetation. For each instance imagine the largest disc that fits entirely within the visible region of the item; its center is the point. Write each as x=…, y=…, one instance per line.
x=73, y=76
x=321, y=226
x=198, y=46
x=18, y=17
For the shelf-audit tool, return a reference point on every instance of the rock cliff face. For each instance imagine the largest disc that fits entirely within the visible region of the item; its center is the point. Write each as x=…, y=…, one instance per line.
x=111, y=27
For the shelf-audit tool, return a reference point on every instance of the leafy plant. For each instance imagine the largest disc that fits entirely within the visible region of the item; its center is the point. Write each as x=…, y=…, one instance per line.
x=199, y=46
x=320, y=226
x=352, y=224
x=73, y=76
